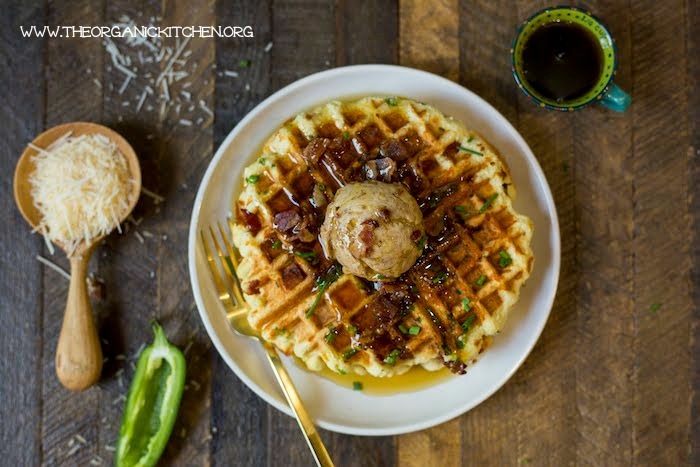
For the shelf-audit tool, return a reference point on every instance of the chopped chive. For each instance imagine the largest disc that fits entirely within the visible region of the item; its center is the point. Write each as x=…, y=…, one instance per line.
x=468, y=322
x=323, y=282
x=322, y=186
x=487, y=203
x=421, y=242
x=414, y=330
x=341, y=371
x=460, y=343
x=470, y=139
x=346, y=135
x=655, y=307
x=462, y=211
x=505, y=260
x=391, y=101
x=379, y=276
x=466, y=304
x=330, y=337
x=276, y=244
x=413, y=288
x=309, y=256
x=440, y=277
x=352, y=330
x=481, y=280
x=471, y=151
x=403, y=329
x=356, y=386
x=244, y=63
x=459, y=292
x=348, y=354
x=261, y=161
x=313, y=306
x=391, y=358
x=252, y=179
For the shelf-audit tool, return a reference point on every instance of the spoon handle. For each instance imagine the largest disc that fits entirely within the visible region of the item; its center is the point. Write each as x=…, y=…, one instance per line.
x=78, y=354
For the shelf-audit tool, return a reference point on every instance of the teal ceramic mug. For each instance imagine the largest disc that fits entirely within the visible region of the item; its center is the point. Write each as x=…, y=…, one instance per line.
x=601, y=88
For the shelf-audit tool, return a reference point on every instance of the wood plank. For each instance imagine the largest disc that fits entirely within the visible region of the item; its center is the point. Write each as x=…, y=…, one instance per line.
x=489, y=432
x=20, y=274
x=71, y=95
x=366, y=32
x=693, y=90
x=304, y=43
x=430, y=36
x=128, y=267
x=486, y=32
x=429, y=40
x=304, y=39
x=185, y=151
x=662, y=261
x=605, y=184
x=239, y=416
x=546, y=394
x=137, y=290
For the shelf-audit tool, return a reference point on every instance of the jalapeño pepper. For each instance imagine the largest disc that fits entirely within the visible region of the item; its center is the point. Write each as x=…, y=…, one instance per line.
x=152, y=404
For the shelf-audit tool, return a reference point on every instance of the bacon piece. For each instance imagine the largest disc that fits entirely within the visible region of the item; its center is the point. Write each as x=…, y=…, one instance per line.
x=287, y=220
x=315, y=149
x=250, y=220
x=380, y=169
x=366, y=235
x=360, y=146
x=394, y=149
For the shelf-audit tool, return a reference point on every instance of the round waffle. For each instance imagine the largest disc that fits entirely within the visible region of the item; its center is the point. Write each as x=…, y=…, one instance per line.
x=442, y=311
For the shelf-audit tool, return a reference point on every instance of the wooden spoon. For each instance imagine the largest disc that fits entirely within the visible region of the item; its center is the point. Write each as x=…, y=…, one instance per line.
x=78, y=354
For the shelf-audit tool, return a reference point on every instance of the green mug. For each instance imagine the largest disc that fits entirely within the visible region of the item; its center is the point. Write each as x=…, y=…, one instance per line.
x=601, y=90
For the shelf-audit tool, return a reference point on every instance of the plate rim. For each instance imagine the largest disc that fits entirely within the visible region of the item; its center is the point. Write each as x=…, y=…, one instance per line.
x=555, y=242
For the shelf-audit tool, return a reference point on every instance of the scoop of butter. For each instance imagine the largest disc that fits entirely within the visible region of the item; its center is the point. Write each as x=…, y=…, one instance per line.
x=373, y=229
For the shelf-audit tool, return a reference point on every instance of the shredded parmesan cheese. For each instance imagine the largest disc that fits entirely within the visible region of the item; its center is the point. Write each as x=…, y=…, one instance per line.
x=81, y=187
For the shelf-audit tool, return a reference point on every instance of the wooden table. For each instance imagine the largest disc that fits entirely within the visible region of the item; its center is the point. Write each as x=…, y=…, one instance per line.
x=611, y=381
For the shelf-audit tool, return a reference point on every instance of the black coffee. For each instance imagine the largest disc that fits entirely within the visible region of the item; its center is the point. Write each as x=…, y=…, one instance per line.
x=562, y=61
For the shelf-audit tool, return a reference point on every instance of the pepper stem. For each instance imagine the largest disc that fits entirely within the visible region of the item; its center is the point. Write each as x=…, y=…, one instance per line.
x=159, y=339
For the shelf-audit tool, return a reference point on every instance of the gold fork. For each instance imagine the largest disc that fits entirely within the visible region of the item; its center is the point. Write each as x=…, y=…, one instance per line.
x=237, y=310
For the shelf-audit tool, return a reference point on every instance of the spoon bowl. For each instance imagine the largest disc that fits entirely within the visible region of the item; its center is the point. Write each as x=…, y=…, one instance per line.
x=78, y=354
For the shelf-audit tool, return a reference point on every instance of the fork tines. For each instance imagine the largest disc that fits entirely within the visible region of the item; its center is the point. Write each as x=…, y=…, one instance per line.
x=227, y=262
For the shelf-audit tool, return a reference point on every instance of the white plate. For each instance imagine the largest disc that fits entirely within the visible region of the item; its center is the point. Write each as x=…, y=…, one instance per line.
x=341, y=409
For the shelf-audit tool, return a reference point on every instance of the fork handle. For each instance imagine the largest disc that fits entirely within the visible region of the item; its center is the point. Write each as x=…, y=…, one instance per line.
x=305, y=423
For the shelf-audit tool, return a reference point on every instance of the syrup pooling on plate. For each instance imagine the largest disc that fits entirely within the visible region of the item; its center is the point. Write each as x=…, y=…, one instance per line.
x=443, y=310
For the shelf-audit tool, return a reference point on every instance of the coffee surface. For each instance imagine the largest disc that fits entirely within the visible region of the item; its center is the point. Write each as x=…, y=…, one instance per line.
x=562, y=61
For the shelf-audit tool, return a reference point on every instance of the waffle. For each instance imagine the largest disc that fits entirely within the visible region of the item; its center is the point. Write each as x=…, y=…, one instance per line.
x=441, y=312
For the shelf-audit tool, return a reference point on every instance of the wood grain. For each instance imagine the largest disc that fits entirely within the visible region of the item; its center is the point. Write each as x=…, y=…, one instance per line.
x=545, y=399
x=429, y=39
x=70, y=96
x=605, y=183
x=485, y=70
x=692, y=35
x=662, y=255
x=239, y=416
x=184, y=154
x=429, y=36
x=20, y=274
x=304, y=42
x=366, y=32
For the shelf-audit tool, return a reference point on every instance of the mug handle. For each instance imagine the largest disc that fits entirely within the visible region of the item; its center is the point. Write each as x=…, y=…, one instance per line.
x=616, y=99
